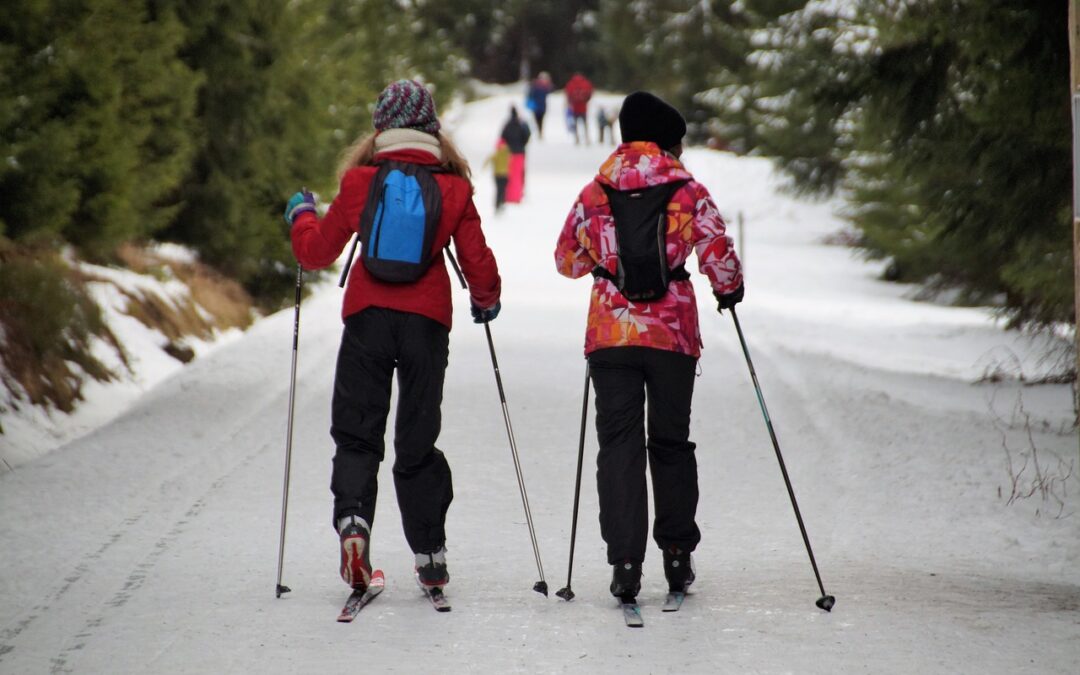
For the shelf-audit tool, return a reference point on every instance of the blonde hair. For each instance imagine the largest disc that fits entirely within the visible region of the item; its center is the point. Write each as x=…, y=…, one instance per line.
x=362, y=153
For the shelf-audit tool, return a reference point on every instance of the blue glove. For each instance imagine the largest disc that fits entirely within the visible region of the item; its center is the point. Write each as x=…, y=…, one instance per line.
x=729, y=300
x=299, y=203
x=485, y=315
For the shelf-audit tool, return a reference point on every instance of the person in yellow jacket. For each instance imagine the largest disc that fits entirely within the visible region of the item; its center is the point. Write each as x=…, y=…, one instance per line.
x=500, y=164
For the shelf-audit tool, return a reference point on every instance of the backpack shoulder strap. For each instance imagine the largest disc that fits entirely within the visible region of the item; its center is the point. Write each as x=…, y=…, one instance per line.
x=371, y=206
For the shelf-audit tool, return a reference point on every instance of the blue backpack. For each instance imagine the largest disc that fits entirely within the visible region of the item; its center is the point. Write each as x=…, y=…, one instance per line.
x=398, y=224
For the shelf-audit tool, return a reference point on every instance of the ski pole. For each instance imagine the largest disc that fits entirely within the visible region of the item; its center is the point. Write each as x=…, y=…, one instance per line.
x=540, y=586
x=348, y=263
x=289, y=431
x=457, y=270
x=826, y=601
x=566, y=593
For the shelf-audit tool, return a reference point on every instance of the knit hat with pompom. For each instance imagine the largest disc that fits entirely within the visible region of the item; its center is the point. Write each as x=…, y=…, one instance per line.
x=406, y=104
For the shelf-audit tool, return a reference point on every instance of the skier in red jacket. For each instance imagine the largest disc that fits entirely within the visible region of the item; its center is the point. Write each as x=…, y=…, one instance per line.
x=578, y=92
x=396, y=326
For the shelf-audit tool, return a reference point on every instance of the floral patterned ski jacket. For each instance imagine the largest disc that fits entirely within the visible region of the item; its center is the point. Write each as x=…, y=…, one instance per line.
x=693, y=224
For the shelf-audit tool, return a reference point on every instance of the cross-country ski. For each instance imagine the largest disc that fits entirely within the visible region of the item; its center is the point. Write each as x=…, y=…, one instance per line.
x=359, y=599
x=437, y=598
x=673, y=601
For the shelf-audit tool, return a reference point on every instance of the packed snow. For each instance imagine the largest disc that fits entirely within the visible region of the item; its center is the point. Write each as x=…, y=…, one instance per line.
x=31, y=431
x=150, y=544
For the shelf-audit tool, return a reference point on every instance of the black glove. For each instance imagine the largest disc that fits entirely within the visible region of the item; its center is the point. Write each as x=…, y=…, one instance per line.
x=480, y=315
x=728, y=300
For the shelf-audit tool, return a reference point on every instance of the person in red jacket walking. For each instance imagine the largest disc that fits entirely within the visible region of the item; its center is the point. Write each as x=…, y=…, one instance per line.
x=579, y=91
x=402, y=327
x=642, y=350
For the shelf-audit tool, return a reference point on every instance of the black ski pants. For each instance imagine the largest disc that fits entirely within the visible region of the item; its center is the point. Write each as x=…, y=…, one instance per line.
x=625, y=378
x=376, y=341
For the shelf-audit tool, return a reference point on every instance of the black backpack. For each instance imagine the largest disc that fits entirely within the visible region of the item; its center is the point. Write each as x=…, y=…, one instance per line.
x=398, y=224
x=642, y=273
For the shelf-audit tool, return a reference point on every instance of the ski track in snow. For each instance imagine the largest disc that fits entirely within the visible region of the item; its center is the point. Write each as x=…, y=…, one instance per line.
x=150, y=545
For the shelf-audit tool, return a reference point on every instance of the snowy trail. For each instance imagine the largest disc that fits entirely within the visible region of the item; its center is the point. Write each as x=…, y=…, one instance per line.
x=150, y=545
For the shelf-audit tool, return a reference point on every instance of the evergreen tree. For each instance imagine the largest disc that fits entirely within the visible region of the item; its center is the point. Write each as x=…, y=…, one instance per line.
x=947, y=124
x=253, y=112
x=693, y=53
x=740, y=87
x=286, y=86
x=626, y=56
x=695, y=45
x=476, y=28
x=96, y=121
x=505, y=40
x=364, y=46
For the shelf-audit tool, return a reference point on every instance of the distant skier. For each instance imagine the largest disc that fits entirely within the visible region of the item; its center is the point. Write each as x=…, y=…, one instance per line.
x=646, y=349
x=605, y=124
x=516, y=134
x=579, y=91
x=499, y=160
x=536, y=100
x=395, y=325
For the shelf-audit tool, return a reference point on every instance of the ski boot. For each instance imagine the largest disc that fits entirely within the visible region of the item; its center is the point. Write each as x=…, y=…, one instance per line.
x=678, y=569
x=355, y=552
x=431, y=569
x=626, y=580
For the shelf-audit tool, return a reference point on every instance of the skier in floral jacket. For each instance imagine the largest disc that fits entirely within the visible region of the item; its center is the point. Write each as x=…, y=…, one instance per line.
x=647, y=350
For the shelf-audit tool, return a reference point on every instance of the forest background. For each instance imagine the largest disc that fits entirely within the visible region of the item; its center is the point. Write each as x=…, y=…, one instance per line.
x=943, y=124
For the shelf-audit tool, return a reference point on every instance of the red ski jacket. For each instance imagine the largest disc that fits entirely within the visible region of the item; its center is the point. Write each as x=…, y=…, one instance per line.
x=317, y=243
x=578, y=92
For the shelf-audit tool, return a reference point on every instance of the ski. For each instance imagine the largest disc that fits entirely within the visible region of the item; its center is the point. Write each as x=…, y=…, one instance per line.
x=359, y=599
x=632, y=615
x=673, y=601
x=438, y=598
x=435, y=595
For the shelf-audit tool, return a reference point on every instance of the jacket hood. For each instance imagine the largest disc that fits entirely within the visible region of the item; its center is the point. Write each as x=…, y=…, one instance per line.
x=640, y=164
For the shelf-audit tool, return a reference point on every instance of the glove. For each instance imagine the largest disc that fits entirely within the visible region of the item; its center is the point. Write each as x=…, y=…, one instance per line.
x=299, y=203
x=480, y=315
x=728, y=300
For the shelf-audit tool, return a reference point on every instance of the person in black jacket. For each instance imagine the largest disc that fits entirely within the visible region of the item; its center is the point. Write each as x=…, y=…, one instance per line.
x=516, y=133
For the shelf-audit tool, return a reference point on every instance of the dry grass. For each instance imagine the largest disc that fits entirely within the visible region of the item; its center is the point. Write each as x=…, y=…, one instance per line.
x=215, y=303
x=52, y=376
x=47, y=323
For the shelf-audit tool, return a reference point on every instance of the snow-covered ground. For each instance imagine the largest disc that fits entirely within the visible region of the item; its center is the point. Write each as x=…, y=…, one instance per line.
x=150, y=544
x=32, y=431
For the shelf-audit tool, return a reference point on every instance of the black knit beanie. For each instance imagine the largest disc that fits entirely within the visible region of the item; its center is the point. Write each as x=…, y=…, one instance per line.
x=645, y=117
